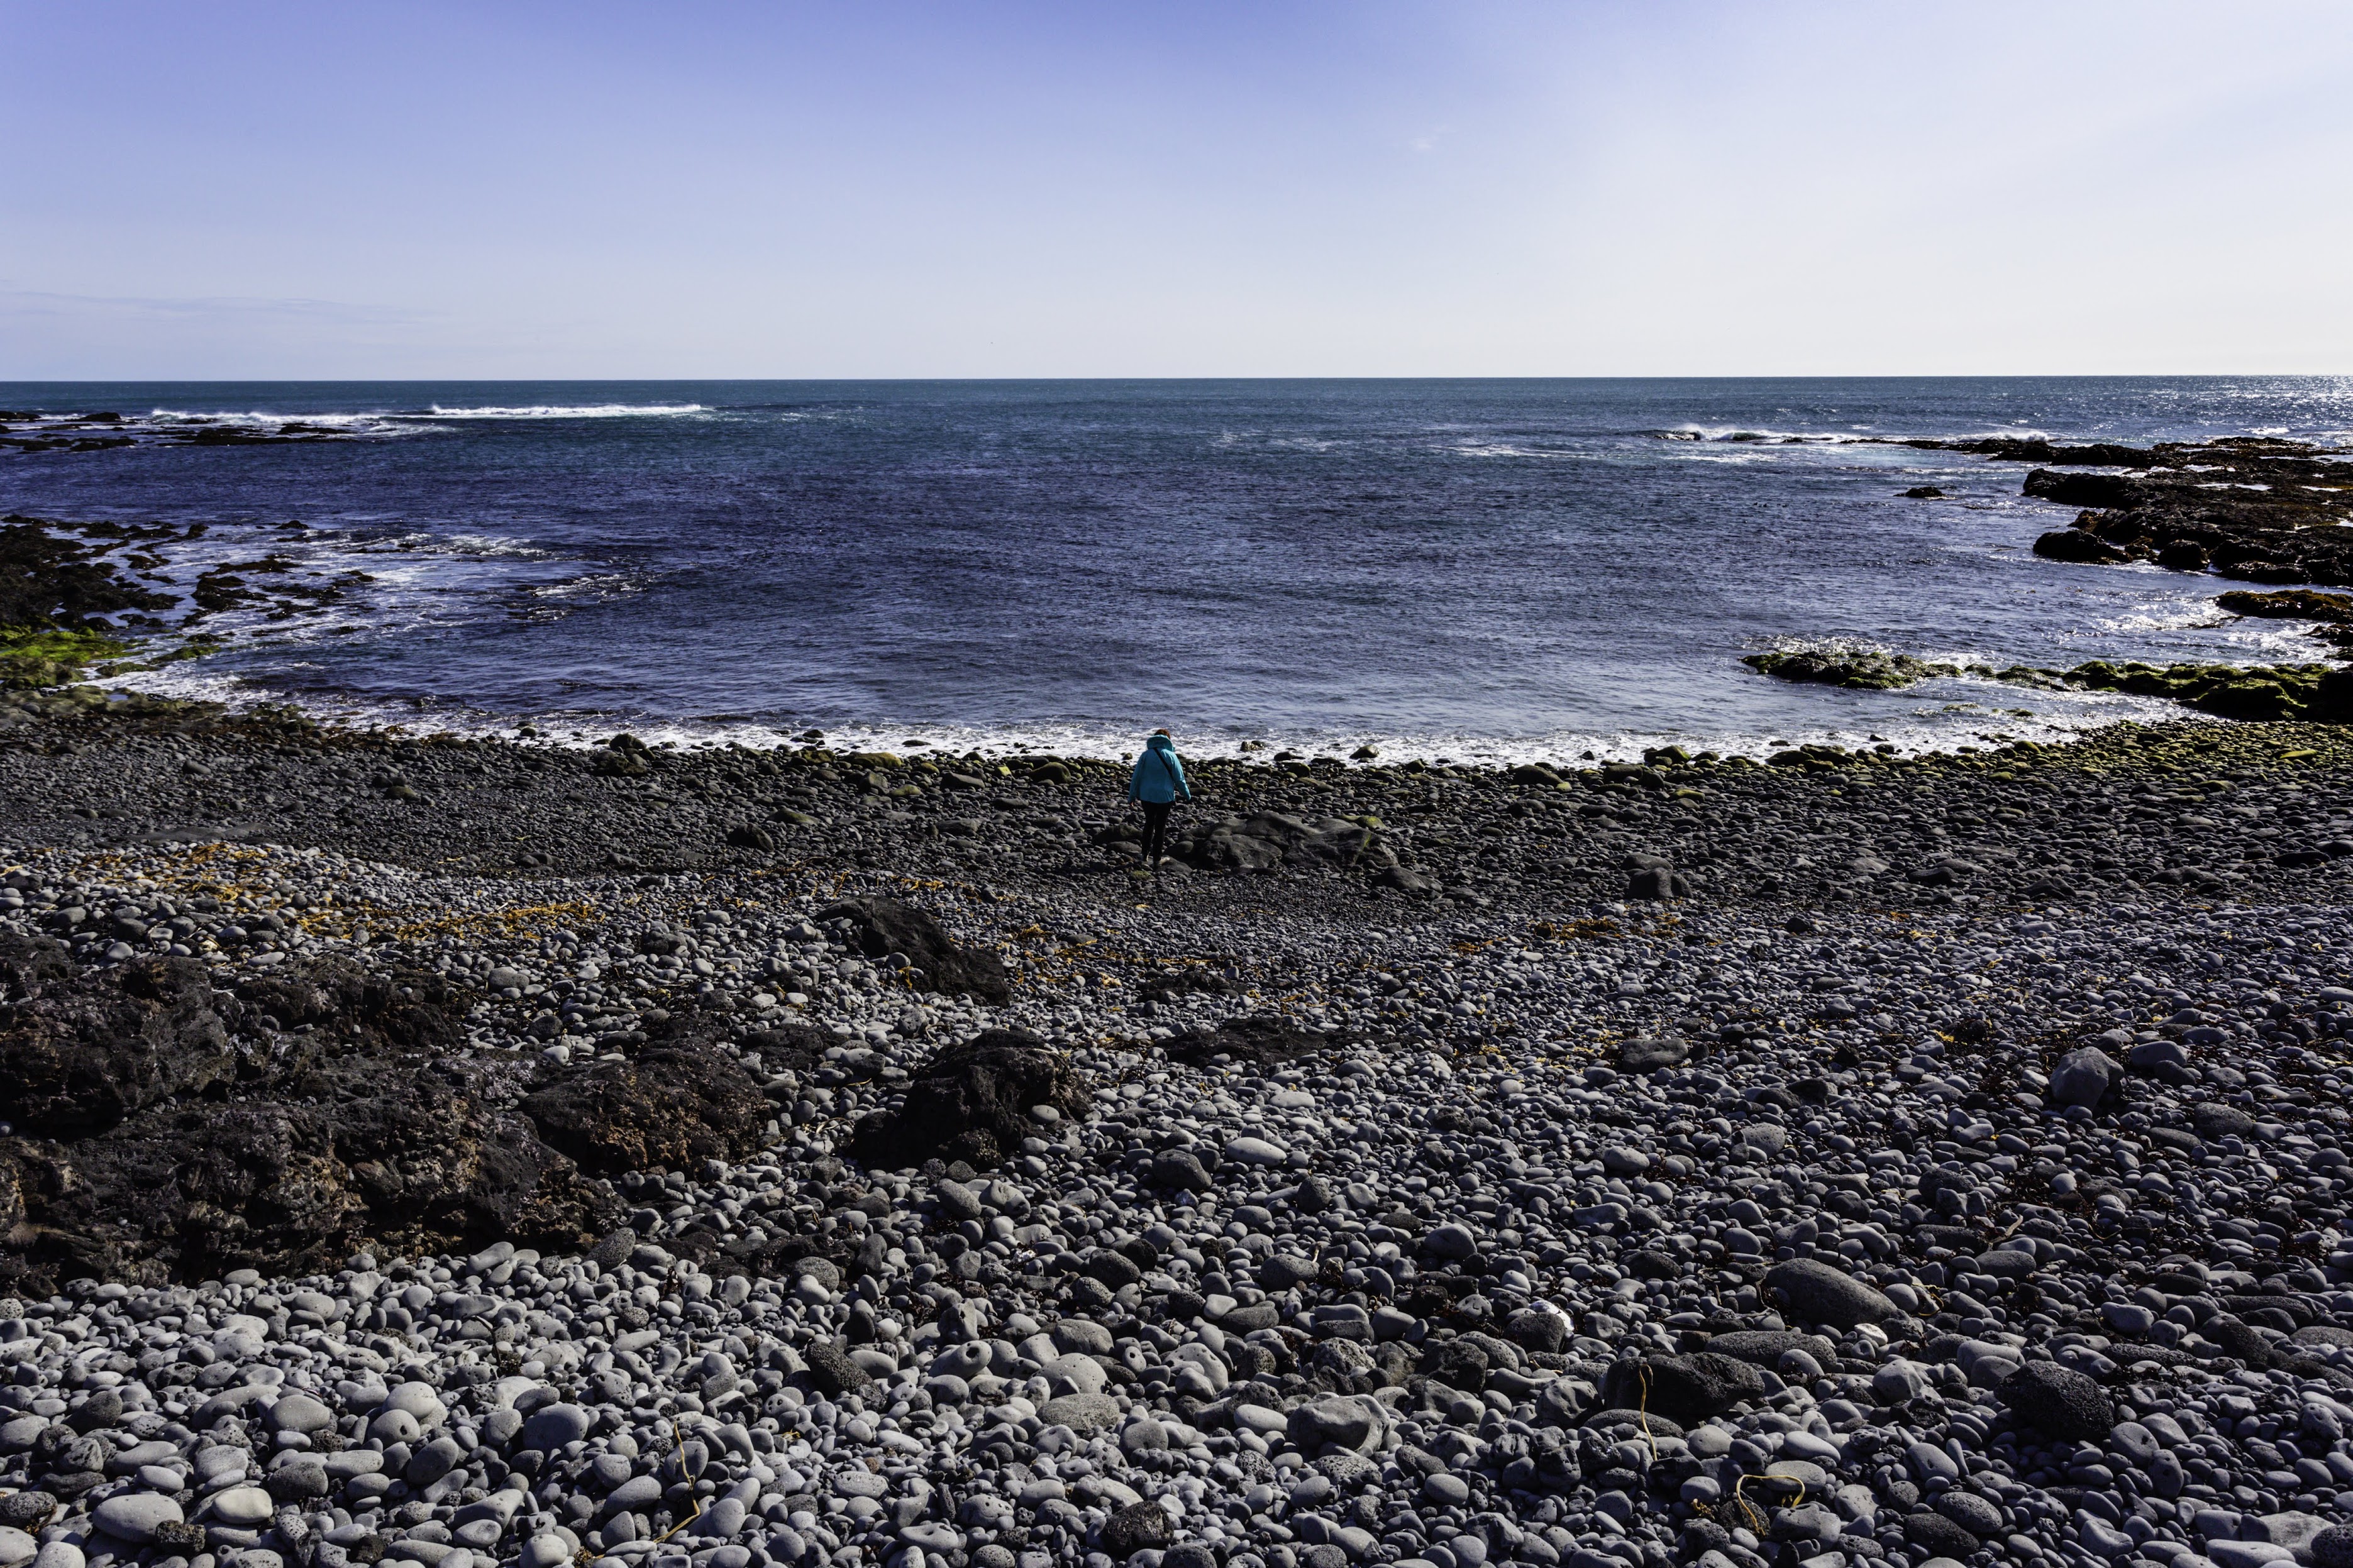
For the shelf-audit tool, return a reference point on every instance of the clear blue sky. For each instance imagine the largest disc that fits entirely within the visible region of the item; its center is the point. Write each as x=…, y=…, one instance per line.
x=231, y=190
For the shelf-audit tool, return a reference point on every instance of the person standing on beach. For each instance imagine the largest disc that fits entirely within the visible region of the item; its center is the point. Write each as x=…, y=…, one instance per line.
x=1157, y=785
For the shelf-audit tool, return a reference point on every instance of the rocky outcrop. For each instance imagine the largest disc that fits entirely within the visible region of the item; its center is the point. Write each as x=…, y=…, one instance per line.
x=77, y=1057
x=2259, y=509
x=973, y=1102
x=1266, y=839
x=882, y=927
x=666, y=1109
x=2289, y=604
x=420, y=1163
x=169, y=1129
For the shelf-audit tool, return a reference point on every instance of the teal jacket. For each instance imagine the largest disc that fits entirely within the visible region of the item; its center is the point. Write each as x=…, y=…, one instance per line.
x=1159, y=775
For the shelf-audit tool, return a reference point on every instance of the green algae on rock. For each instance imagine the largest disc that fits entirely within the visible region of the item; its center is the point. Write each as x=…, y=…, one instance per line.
x=2225, y=691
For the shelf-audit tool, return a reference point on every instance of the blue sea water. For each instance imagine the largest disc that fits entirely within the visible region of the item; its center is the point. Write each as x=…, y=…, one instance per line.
x=1473, y=569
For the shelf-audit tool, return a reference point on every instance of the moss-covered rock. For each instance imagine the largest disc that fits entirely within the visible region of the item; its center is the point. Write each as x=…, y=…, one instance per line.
x=32, y=658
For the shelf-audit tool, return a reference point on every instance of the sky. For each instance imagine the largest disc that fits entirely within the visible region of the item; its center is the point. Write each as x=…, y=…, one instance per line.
x=359, y=191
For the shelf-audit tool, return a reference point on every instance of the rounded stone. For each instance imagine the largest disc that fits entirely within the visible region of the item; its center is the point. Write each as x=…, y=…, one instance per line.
x=545, y=1550
x=1453, y=1243
x=1972, y=1513
x=136, y=1516
x=300, y=1413
x=551, y=1426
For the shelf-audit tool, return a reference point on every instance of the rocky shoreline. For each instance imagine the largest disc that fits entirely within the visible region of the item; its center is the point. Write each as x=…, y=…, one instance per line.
x=24, y=430
x=448, y=1152
x=440, y=1153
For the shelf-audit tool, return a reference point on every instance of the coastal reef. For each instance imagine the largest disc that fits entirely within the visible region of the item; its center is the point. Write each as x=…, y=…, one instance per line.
x=24, y=430
x=2255, y=508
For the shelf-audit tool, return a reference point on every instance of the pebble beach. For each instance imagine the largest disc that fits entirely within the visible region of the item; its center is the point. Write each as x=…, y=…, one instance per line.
x=455, y=1153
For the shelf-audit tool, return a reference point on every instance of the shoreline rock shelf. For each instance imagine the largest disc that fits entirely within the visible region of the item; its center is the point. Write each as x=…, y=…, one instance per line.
x=2255, y=508
x=2316, y=691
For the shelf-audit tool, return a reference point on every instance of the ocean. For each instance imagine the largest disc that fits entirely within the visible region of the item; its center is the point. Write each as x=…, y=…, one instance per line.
x=1473, y=570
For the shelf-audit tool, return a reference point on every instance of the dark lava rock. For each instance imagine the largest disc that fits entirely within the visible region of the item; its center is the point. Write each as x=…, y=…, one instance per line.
x=27, y=1511
x=833, y=1373
x=2059, y=1400
x=47, y=579
x=1937, y=1536
x=1256, y=1041
x=1535, y=1330
x=614, y=1248
x=1266, y=839
x=1111, y=1269
x=293, y=1485
x=2214, y=1120
x=101, y=1409
x=1821, y=1294
x=791, y=1048
x=1657, y=881
x=1649, y=1055
x=390, y=1154
x=1138, y=1527
x=1972, y=1513
x=2333, y=1547
x=80, y=1052
x=2240, y=1339
x=397, y=1011
x=972, y=1103
x=880, y=927
x=1765, y=1347
x=1457, y=1363
x=1178, y=1170
x=1685, y=1388
x=670, y=1109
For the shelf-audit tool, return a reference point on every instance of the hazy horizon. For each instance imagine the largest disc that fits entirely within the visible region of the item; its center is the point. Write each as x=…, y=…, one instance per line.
x=273, y=193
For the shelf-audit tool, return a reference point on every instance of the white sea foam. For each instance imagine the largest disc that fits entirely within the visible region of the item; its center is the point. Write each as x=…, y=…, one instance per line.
x=357, y=423
x=1930, y=725
x=1476, y=449
x=572, y=411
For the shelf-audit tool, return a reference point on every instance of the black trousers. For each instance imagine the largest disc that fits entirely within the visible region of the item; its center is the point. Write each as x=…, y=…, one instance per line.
x=1156, y=830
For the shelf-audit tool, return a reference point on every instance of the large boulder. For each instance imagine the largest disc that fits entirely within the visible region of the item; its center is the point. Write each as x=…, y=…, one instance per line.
x=670, y=1108
x=880, y=927
x=2077, y=545
x=356, y=1131
x=971, y=1101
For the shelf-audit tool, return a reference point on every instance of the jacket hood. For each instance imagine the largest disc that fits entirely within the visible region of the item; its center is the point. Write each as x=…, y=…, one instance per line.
x=1161, y=743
